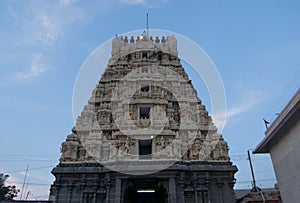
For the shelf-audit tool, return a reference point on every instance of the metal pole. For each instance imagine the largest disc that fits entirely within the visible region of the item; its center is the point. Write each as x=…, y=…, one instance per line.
x=24, y=182
x=252, y=171
x=147, y=24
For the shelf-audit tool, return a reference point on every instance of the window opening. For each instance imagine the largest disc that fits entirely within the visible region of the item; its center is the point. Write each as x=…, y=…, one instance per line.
x=145, y=88
x=144, y=70
x=145, y=147
x=144, y=54
x=144, y=112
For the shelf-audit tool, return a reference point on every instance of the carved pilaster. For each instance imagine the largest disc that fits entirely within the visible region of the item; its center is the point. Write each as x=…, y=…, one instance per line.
x=220, y=184
x=70, y=187
x=108, y=184
x=172, y=190
x=207, y=193
x=58, y=187
x=181, y=183
x=118, y=190
x=82, y=195
x=94, y=195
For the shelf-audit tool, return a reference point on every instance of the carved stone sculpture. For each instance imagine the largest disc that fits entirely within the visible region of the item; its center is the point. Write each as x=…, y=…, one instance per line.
x=70, y=148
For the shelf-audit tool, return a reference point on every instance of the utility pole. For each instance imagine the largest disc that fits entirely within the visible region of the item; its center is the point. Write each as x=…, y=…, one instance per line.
x=251, y=168
x=27, y=195
x=24, y=182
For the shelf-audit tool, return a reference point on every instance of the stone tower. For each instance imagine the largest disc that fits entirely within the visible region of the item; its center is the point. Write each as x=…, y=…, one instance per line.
x=144, y=136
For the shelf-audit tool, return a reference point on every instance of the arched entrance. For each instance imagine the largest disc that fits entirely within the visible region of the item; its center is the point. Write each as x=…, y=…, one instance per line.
x=145, y=191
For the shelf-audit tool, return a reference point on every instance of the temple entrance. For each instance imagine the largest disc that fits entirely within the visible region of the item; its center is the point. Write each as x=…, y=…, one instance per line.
x=145, y=191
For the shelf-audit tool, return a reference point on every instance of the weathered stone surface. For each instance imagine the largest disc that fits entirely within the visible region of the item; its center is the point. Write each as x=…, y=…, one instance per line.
x=144, y=94
x=92, y=182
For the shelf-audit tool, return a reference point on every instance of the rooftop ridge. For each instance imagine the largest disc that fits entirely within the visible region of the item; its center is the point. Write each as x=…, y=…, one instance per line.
x=124, y=45
x=135, y=39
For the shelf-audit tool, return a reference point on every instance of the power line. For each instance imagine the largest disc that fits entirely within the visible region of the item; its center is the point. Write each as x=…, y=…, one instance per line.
x=261, y=180
x=27, y=158
x=245, y=159
x=41, y=160
x=48, y=184
x=30, y=183
x=291, y=83
x=22, y=155
x=260, y=164
x=30, y=169
x=256, y=172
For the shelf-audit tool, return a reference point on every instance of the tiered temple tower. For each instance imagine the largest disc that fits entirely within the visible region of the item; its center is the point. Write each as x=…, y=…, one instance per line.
x=144, y=135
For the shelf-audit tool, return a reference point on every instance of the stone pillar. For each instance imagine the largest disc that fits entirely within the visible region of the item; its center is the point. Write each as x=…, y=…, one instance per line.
x=84, y=197
x=70, y=190
x=231, y=185
x=207, y=191
x=200, y=196
x=108, y=185
x=196, y=195
x=172, y=190
x=107, y=194
x=94, y=196
x=58, y=186
x=81, y=194
x=118, y=191
x=189, y=196
x=181, y=193
x=181, y=183
x=195, y=185
x=206, y=196
x=220, y=185
x=81, y=197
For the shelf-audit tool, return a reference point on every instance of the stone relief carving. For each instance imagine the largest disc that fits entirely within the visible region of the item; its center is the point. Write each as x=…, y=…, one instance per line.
x=109, y=143
x=177, y=145
x=113, y=150
x=69, y=148
x=221, y=150
x=195, y=149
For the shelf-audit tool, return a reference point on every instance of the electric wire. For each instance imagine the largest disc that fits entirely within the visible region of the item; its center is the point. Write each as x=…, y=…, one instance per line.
x=271, y=112
x=237, y=156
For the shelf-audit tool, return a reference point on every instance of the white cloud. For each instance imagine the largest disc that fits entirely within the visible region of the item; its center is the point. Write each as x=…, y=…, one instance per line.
x=133, y=1
x=246, y=104
x=65, y=3
x=46, y=30
x=241, y=108
x=40, y=28
x=38, y=67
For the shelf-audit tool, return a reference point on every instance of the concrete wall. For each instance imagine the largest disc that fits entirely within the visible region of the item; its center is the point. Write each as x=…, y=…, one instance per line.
x=286, y=160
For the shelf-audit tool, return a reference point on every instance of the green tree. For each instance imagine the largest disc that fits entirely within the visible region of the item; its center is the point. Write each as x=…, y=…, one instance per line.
x=7, y=192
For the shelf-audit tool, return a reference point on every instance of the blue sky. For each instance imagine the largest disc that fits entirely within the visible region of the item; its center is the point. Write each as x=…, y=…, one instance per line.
x=254, y=45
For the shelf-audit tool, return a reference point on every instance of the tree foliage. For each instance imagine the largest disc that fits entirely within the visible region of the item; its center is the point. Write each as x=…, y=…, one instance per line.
x=7, y=192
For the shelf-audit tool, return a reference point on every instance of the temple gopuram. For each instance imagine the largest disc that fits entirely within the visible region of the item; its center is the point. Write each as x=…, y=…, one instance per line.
x=144, y=135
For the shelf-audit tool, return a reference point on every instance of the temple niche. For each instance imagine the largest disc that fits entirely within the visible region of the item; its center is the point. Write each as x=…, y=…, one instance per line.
x=143, y=114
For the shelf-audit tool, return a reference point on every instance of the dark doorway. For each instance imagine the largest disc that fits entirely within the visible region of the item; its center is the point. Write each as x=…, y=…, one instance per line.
x=148, y=197
x=145, y=149
x=135, y=194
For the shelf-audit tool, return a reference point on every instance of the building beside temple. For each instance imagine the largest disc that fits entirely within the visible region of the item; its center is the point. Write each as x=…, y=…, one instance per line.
x=282, y=141
x=144, y=135
x=258, y=195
